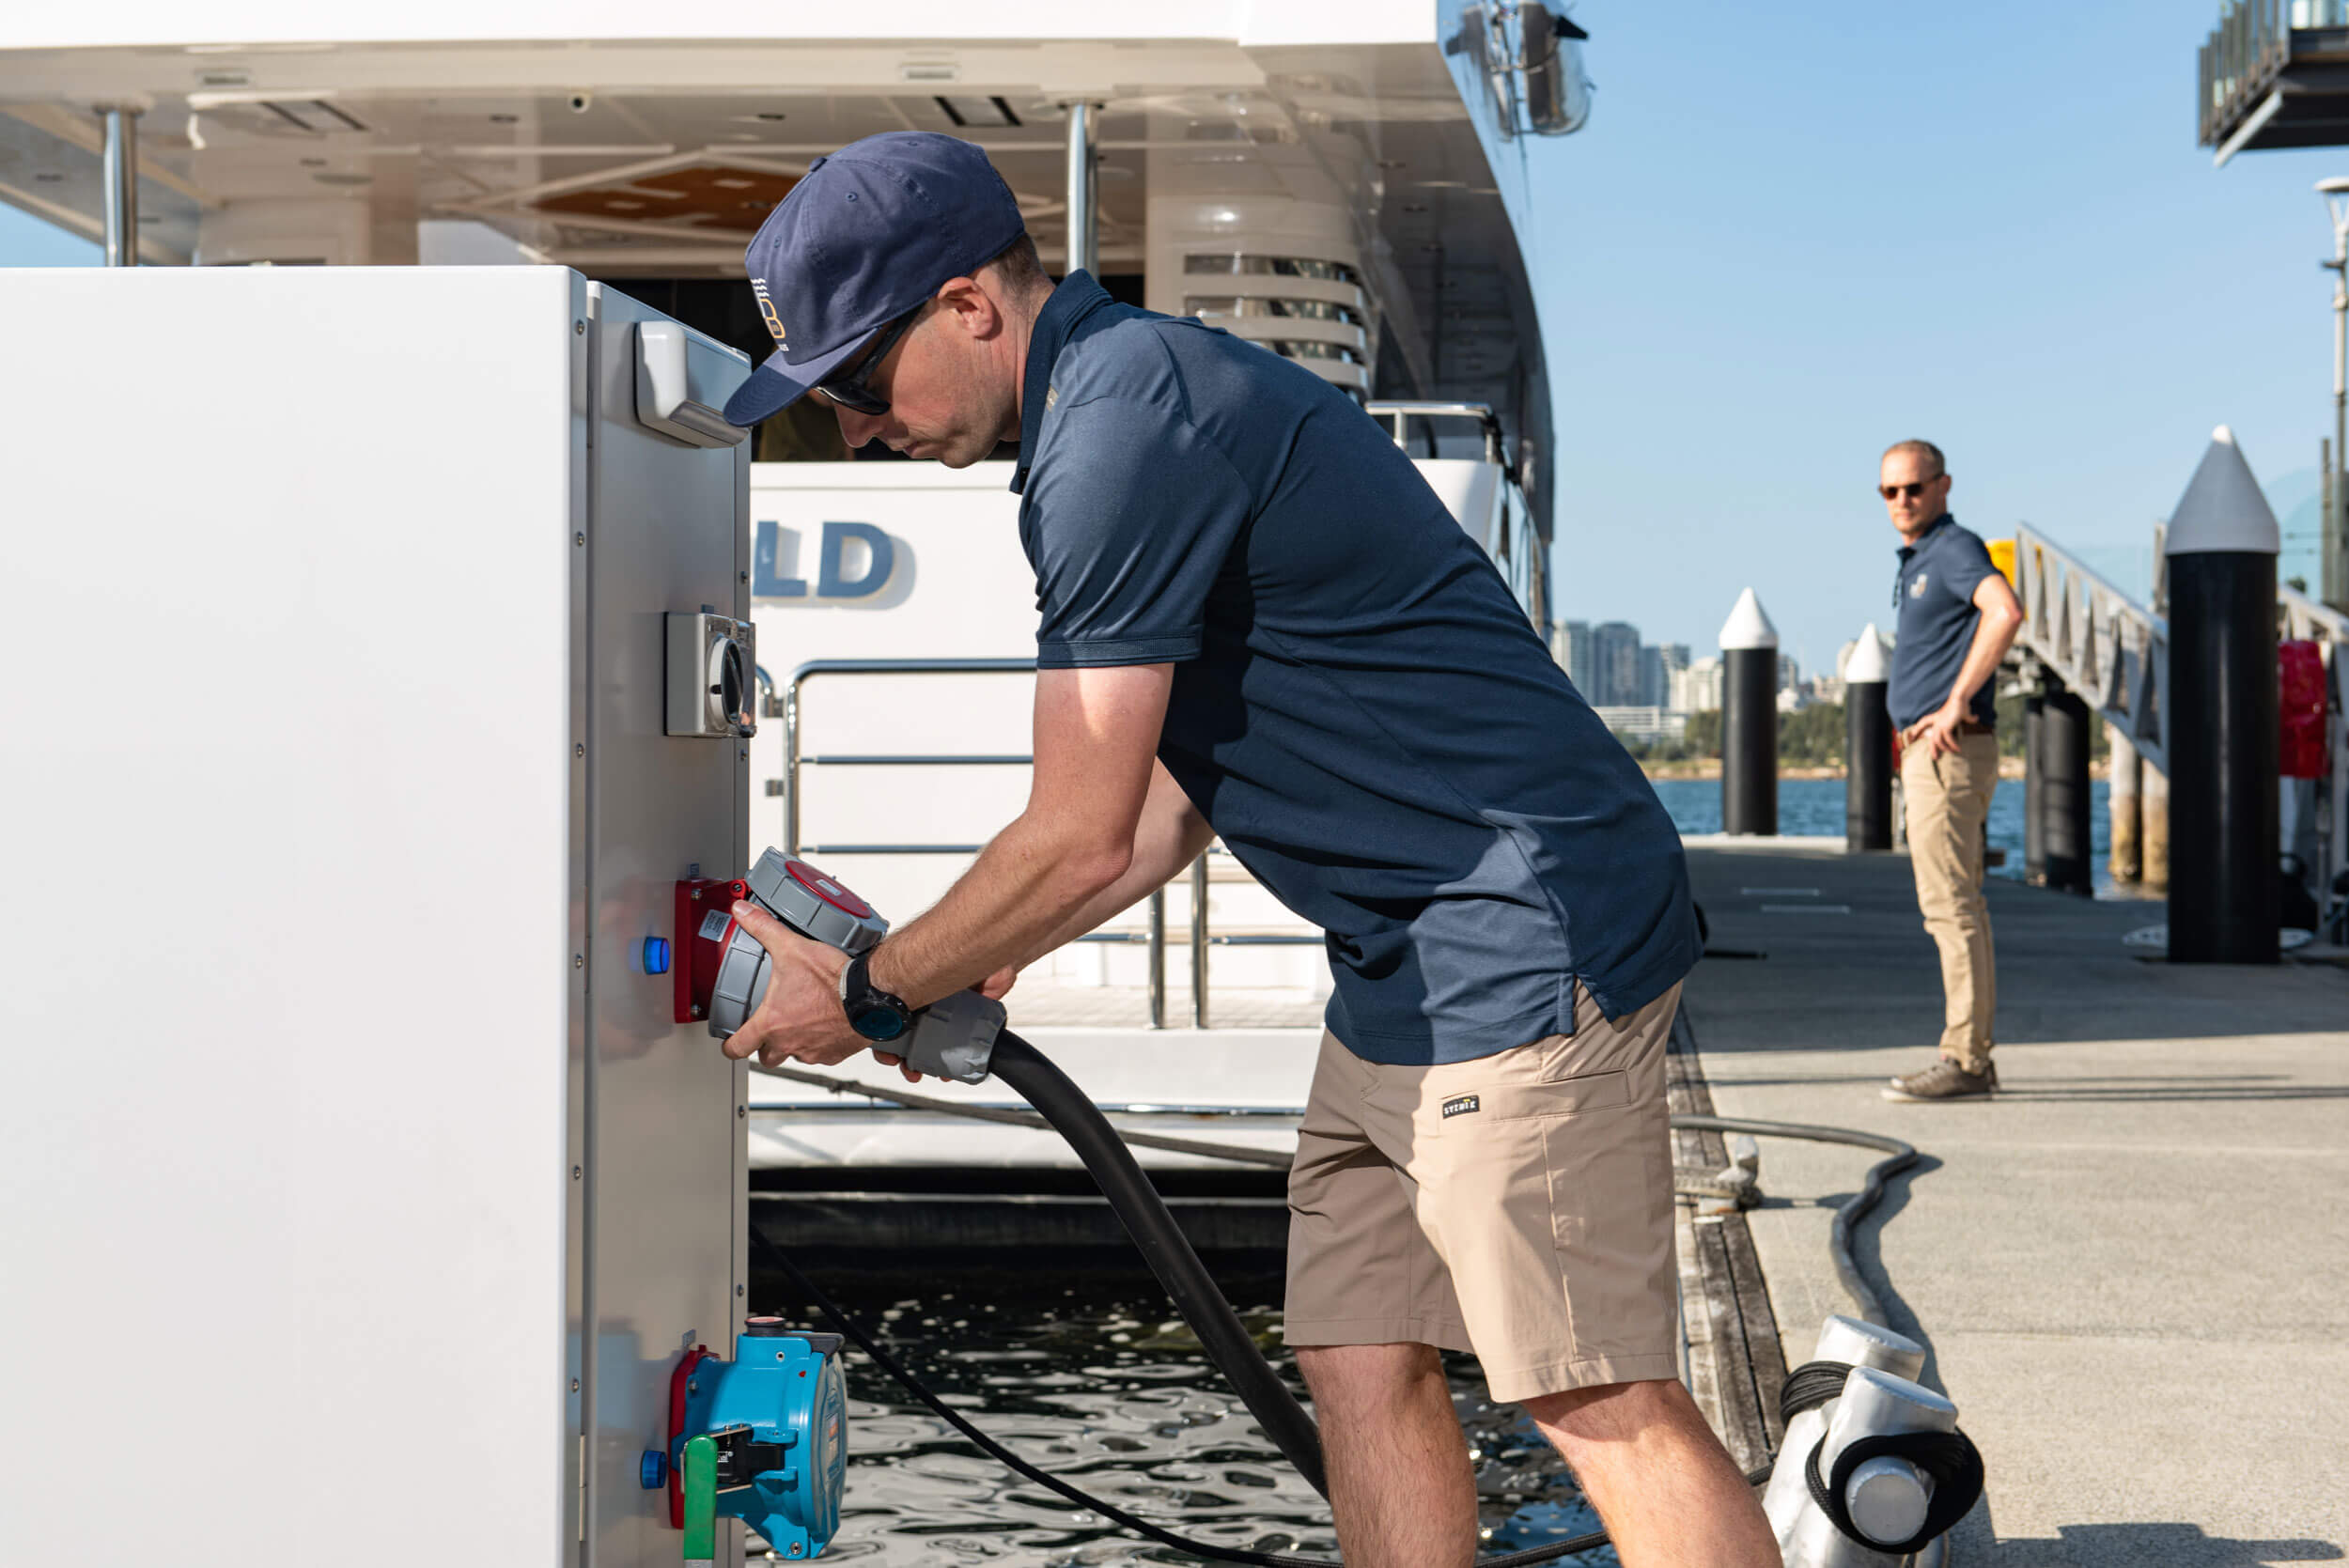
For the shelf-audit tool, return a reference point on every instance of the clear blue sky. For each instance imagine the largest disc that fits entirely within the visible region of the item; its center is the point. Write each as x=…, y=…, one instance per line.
x=1793, y=234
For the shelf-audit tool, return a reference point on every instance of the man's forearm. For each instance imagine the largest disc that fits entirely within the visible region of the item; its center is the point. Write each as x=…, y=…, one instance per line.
x=1993, y=636
x=1026, y=885
x=1161, y=849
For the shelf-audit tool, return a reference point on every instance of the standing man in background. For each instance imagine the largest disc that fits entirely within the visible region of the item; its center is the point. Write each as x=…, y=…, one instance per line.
x=1955, y=617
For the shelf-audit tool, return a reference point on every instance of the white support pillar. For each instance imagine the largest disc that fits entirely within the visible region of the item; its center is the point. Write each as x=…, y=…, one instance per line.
x=121, y=177
x=1084, y=186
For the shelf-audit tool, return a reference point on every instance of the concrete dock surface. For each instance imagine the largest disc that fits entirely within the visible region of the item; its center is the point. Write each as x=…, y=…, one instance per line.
x=2131, y=1268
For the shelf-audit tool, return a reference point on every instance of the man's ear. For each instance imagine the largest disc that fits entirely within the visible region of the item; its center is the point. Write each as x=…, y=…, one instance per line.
x=975, y=311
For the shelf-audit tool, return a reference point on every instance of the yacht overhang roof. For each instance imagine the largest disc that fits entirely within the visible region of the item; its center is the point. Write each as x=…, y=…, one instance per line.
x=618, y=156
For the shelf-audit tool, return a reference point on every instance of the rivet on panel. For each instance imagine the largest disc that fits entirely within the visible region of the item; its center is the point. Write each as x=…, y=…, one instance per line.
x=578, y=538
x=579, y=960
x=574, y=1172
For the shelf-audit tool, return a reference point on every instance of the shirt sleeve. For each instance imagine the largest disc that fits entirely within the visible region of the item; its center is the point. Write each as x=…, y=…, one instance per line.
x=1131, y=517
x=1967, y=564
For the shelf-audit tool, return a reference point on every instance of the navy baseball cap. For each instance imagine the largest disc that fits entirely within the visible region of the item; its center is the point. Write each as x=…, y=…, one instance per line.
x=868, y=234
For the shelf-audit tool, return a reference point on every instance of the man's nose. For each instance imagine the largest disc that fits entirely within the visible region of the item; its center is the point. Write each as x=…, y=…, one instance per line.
x=857, y=429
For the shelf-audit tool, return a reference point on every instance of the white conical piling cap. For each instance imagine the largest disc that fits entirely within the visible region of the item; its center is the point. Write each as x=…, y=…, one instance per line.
x=2222, y=508
x=1748, y=626
x=1866, y=664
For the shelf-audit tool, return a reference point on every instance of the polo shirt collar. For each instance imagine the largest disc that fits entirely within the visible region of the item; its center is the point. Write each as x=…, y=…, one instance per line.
x=1907, y=550
x=1077, y=297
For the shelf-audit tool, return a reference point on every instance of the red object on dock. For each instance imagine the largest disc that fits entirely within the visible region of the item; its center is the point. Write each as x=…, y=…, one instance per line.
x=2300, y=708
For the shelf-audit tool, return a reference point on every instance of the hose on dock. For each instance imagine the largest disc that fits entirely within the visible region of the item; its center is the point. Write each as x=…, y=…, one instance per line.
x=1064, y=1108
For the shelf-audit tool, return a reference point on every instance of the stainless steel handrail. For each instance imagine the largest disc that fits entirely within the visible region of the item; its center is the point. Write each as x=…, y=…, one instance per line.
x=1155, y=937
x=1399, y=415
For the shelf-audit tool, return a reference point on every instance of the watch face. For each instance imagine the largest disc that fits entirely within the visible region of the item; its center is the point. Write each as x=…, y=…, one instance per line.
x=879, y=1023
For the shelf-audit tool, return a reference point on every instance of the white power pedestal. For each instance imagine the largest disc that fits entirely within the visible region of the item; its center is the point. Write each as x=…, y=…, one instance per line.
x=362, y=1190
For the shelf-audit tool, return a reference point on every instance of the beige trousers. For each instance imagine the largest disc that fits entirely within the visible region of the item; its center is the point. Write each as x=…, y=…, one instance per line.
x=1947, y=798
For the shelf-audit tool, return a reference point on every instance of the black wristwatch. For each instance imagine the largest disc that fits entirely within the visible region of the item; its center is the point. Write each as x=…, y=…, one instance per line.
x=872, y=1012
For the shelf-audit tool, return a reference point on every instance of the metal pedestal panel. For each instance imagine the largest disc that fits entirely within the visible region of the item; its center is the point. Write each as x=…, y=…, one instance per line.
x=665, y=1143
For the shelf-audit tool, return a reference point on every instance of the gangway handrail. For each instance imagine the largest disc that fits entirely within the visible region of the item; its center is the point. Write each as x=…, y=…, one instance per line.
x=793, y=760
x=2099, y=642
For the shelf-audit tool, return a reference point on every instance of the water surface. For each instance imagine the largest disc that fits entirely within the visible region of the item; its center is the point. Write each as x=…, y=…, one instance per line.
x=1086, y=1375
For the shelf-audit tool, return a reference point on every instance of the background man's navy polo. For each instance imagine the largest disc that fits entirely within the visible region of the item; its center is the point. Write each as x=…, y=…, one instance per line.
x=1359, y=706
x=1934, y=594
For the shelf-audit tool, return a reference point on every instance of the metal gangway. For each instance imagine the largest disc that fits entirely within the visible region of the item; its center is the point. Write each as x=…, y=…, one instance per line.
x=2114, y=653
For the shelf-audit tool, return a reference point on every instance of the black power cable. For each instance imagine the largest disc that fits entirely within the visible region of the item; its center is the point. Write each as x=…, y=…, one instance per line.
x=1166, y=1250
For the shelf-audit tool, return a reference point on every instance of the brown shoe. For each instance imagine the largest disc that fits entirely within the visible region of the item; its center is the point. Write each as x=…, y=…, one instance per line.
x=1944, y=1080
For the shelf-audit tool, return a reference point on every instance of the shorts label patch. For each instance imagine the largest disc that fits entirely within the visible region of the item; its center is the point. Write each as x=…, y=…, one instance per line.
x=1460, y=1104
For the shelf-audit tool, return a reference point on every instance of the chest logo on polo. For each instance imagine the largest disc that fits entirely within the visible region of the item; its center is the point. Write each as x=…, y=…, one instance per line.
x=1917, y=588
x=1460, y=1104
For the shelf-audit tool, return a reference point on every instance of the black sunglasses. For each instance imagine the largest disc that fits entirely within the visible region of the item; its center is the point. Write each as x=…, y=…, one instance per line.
x=1912, y=491
x=850, y=389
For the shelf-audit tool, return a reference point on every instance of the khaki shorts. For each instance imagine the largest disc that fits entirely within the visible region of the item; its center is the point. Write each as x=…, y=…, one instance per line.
x=1518, y=1205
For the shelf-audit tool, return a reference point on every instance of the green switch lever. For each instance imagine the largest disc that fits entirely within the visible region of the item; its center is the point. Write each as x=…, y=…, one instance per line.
x=701, y=1499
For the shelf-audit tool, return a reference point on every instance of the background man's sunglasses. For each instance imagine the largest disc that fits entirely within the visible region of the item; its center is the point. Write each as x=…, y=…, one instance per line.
x=1911, y=491
x=848, y=388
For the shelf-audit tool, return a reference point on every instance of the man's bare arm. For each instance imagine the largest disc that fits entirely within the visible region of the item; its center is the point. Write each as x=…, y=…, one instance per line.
x=1170, y=835
x=1097, y=735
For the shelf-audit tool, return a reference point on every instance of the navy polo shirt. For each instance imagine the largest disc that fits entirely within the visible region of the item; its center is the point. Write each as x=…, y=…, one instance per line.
x=1933, y=594
x=1359, y=706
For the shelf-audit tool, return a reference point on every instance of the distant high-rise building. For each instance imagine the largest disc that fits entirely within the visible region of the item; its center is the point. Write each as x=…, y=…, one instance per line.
x=1697, y=687
x=1614, y=666
x=1570, y=644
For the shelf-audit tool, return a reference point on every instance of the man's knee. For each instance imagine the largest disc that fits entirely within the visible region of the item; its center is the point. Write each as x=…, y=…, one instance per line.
x=1366, y=1373
x=1612, y=1411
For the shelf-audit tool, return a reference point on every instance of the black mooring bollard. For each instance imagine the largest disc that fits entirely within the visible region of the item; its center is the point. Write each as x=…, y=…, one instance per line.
x=2035, y=790
x=1867, y=748
x=1749, y=720
x=2062, y=798
x=2221, y=715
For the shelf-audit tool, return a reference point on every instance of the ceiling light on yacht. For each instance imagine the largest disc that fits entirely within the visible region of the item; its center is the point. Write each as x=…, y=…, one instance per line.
x=49, y=177
x=1414, y=207
x=505, y=119
x=984, y=112
x=344, y=179
x=314, y=162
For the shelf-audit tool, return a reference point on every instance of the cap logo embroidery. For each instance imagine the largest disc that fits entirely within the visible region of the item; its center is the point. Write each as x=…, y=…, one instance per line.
x=1460, y=1104
x=767, y=310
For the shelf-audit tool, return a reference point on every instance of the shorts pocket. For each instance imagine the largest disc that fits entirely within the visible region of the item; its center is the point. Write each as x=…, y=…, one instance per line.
x=1565, y=1096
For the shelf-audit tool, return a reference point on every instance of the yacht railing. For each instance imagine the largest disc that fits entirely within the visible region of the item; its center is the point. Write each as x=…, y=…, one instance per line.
x=1398, y=417
x=1154, y=936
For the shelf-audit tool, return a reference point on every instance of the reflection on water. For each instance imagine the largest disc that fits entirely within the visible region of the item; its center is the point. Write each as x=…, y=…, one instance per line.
x=1083, y=1375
